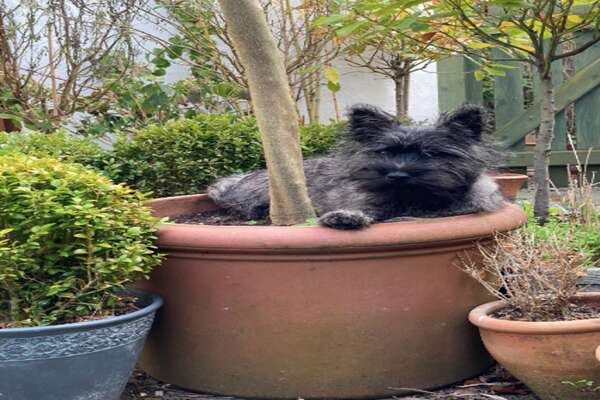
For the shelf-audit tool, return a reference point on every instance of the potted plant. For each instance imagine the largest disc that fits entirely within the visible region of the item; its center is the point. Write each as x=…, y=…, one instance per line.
x=510, y=183
x=70, y=240
x=283, y=311
x=541, y=330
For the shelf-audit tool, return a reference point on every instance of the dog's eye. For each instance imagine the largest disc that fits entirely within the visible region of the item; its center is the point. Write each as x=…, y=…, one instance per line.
x=383, y=153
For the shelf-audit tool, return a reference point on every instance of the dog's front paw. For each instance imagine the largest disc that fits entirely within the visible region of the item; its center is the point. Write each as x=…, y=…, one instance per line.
x=345, y=219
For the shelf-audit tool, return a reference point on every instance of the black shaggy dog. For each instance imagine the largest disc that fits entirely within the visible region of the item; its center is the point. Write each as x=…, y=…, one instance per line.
x=383, y=170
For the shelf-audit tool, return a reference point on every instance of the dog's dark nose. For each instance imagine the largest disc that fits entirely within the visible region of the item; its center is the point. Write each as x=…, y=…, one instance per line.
x=397, y=176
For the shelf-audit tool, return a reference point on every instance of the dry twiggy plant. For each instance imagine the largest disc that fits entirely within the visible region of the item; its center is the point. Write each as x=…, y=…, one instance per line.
x=579, y=198
x=537, y=278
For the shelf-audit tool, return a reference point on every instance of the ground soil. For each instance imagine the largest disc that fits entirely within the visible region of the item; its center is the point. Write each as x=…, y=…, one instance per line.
x=496, y=384
x=216, y=217
x=574, y=312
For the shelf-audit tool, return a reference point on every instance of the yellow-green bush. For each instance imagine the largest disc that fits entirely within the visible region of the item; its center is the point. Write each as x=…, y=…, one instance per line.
x=59, y=144
x=181, y=157
x=69, y=239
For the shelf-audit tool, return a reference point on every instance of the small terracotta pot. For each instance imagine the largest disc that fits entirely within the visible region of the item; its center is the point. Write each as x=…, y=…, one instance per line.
x=6, y=125
x=510, y=183
x=310, y=312
x=554, y=359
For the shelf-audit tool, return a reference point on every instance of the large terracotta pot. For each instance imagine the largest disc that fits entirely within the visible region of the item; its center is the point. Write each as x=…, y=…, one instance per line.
x=311, y=312
x=555, y=359
x=510, y=183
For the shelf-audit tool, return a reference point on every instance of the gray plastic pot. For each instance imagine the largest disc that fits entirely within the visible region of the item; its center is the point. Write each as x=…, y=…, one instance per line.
x=80, y=361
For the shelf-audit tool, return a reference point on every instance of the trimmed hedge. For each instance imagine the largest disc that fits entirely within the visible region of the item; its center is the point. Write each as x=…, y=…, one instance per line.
x=318, y=139
x=69, y=238
x=184, y=156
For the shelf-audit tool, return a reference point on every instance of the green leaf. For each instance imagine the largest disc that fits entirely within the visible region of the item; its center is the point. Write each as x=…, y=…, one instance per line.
x=348, y=29
x=175, y=51
x=333, y=87
x=496, y=72
x=309, y=222
x=420, y=26
x=331, y=74
x=161, y=62
x=135, y=231
x=329, y=20
x=11, y=117
x=479, y=45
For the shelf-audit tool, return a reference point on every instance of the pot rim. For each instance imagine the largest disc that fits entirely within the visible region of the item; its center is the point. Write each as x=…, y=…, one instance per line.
x=418, y=232
x=479, y=317
x=152, y=303
x=509, y=176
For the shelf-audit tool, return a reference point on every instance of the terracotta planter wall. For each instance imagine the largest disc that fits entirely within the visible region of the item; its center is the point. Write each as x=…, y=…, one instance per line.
x=288, y=312
x=543, y=355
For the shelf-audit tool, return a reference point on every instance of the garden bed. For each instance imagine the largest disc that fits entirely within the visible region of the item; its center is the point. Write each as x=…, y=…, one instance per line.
x=497, y=384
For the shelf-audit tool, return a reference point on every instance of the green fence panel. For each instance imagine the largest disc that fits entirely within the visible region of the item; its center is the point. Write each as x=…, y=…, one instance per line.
x=584, y=81
x=457, y=84
x=587, y=107
x=508, y=93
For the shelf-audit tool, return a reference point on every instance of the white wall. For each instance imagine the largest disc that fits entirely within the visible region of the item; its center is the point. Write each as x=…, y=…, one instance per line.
x=359, y=85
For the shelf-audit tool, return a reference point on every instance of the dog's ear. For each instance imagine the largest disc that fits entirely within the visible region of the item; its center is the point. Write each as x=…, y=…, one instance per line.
x=468, y=120
x=368, y=121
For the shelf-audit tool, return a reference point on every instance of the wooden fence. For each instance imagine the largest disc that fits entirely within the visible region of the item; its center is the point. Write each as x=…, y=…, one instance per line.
x=515, y=121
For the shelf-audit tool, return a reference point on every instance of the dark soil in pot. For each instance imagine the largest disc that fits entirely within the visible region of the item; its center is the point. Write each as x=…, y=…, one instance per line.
x=216, y=217
x=572, y=312
x=129, y=304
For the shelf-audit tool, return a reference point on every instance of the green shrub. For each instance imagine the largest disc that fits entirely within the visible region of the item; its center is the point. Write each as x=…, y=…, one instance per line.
x=184, y=156
x=59, y=145
x=69, y=239
x=318, y=139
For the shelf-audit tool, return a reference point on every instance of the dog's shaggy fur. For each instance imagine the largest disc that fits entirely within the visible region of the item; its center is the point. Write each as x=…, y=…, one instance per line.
x=383, y=170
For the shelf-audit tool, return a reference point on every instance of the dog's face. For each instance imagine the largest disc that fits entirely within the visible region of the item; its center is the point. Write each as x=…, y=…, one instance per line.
x=442, y=160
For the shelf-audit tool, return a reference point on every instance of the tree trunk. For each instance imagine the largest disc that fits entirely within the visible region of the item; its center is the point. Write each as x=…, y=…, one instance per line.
x=274, y=109
x=312, y=97
x=402, y=87
x=542, y=148
x=336, y=106
x=406, y=94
